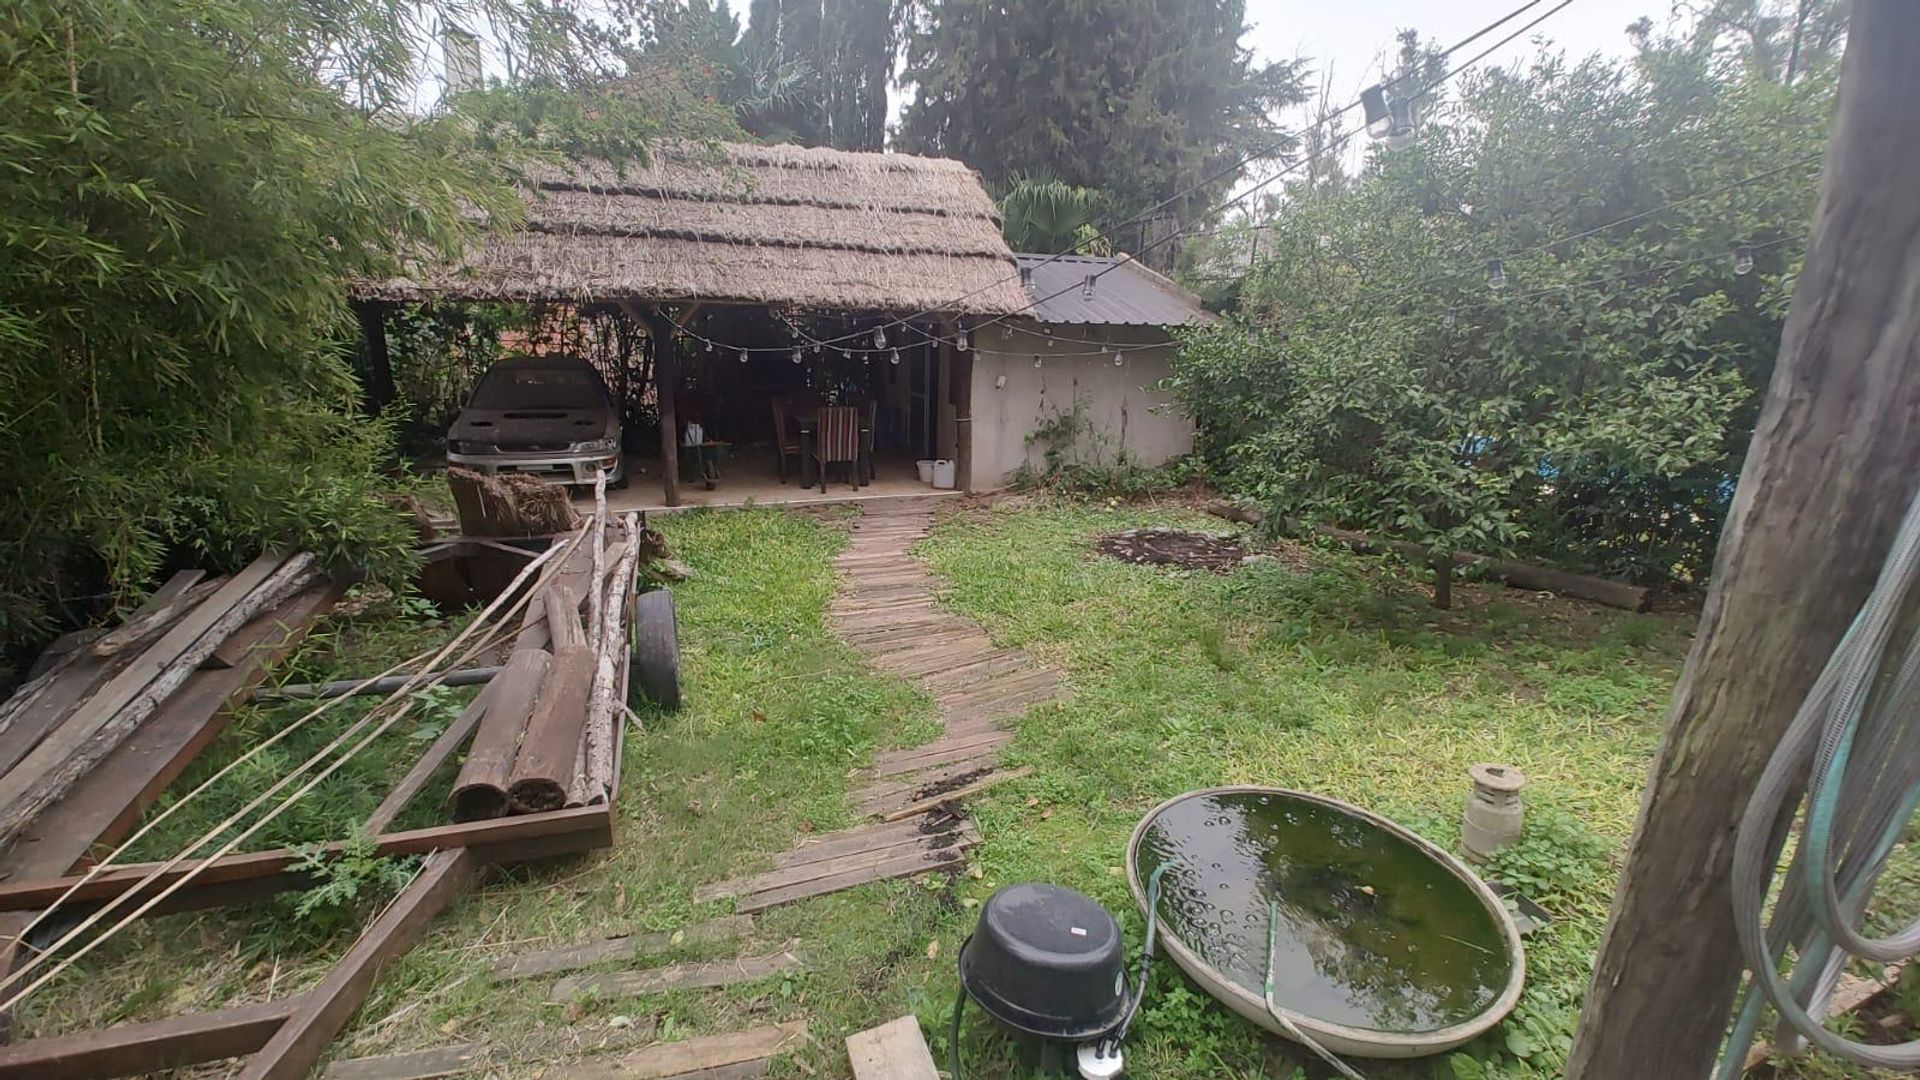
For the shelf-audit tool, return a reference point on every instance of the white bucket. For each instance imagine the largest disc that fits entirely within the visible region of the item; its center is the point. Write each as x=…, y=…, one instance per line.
x=925, y=465
x=943, y=474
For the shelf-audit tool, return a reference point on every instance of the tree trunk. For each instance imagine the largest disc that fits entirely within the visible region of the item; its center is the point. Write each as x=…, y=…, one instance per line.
x=1828, y=475
x=1442, y=581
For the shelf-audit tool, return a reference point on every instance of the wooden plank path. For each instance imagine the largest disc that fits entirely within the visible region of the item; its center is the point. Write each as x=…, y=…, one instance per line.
x=886, y=609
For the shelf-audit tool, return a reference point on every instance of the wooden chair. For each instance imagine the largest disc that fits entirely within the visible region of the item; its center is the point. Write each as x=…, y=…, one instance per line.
x=783, y=443
x=838, y=430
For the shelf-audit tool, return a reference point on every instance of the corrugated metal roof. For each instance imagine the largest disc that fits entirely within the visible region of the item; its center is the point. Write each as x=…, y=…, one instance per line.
x=1127, y=293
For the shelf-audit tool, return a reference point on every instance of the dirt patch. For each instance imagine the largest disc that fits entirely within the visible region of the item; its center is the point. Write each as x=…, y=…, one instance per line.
x=1174, y=547
x=951, y=783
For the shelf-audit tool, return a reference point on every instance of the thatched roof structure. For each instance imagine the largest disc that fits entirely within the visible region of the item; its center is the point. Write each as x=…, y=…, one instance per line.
x=774, y=225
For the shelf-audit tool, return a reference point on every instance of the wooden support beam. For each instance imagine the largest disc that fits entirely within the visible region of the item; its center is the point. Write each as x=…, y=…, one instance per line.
x=500, y=840
x=666, y=384
x=373, y=346
x=323, y=1011
x=141, y=1049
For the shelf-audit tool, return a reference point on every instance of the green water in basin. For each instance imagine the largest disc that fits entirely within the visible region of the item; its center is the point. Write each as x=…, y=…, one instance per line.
x=1372, y=932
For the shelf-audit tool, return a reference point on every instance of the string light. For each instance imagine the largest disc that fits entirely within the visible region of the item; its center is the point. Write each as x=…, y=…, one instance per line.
x=796, y=354
x=879, y=337
x=1496, y=274
x=1038, y=363
x=709, y=347
x=743, y=356
x=960, y=340
x=1119, y=358
x=1743, y=260
x=1086, y=290
x=895, y=358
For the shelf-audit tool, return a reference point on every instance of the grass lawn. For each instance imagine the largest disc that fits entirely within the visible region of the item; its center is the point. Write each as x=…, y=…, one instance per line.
x=1326, y=672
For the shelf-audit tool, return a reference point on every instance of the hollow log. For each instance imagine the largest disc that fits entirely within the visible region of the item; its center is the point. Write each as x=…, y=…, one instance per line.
x=610, y=649
x=480, y=789
x=544, y=770
x=505, y=505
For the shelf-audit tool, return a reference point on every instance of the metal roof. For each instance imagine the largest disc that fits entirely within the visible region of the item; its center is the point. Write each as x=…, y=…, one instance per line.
x=1127, y=294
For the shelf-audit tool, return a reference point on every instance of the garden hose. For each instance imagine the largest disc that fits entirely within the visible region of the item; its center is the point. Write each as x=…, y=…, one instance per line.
x=1286, y=1023
x=1855, y=745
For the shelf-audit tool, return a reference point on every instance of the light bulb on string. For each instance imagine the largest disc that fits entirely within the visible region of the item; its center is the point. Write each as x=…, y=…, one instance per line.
x=1038, y=363
x=846, y=354
x=816, y=348
x=1743, y=260
x=743, y=356
x=1006, y=332
x=1496, y=274
x=1086, y=290
x=796, y=354
x=879, y=337
x=895, y=358
x=709, y=345
x=960, y=340
x=1119, y=358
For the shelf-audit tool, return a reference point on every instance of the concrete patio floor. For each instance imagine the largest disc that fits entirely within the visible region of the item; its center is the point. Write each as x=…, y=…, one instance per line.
x=750, y=479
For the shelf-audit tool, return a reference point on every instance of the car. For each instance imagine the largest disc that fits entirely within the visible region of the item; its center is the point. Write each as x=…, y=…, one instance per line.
x=549, y=417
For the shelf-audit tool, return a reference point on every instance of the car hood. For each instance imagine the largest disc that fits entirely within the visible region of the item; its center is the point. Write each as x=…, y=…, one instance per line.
x=533, y=429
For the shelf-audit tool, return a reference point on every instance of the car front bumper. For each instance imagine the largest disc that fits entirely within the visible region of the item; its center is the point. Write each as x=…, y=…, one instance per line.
x=553, y=468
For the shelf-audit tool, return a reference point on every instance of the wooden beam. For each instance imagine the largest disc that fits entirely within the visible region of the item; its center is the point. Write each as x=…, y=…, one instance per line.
x=140, y=1049
x=323, y=1011
x=666, y=383
x=499, y=840
x=1828, y=477
x=896, y=1050
x=104, y=720
x=373, y=346
x=962, y=411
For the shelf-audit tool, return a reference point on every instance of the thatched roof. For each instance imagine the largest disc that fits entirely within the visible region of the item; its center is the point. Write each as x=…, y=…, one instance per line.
x=776, y=225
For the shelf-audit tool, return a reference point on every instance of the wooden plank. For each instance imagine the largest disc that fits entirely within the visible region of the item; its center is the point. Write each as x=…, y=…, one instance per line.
x=660, y=980
x=498, y=840
x=845, y=842
x=896, y=1050
x=1006, y=708
x=429, y=1064
x=296, y=1047
x=50, y=695
x=888, y=844
x=436, y=755
x=981, y=752
x=934, y=656
x=120, y=690
x=1003, y=664
x=883, y=795
x=139, y=1049
x=686, y=1059
x=1000, y=689
x=637, y=946
x=839, y=865
x=905, y=866
x=106, y=804
x=934, y=802
x=962, y=741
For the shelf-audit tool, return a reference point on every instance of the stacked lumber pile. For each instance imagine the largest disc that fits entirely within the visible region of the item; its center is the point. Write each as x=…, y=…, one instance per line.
x=545, y=728
x=94, y=693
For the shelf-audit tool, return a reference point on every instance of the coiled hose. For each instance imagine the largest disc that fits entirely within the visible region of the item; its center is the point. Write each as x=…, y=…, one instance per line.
x=1855, y=744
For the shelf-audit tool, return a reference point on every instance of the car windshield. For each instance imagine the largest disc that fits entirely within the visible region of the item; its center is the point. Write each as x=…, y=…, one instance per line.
x=543, y=387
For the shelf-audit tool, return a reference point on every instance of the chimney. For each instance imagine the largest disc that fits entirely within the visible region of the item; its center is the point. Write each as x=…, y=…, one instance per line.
x=462, y=55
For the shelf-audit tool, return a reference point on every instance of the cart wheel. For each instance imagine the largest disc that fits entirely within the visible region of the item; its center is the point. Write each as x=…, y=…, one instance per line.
x=656, y=648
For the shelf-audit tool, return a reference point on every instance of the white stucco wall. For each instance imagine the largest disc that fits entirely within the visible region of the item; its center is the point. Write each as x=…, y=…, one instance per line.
x=1122, y=404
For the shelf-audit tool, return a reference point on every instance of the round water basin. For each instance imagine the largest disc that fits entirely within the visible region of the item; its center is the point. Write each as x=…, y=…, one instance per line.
x=1384, y=945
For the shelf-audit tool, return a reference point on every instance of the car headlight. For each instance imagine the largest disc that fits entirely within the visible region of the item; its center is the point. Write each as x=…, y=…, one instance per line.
x=595, y=446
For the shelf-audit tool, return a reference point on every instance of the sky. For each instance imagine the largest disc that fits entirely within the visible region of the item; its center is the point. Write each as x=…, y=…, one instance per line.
x=1347, y=40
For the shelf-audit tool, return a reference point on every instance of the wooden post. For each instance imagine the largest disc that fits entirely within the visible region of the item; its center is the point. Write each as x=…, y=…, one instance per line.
x=373, y=339
x=962, y=411
x=1827, y=479
x=666, y=379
